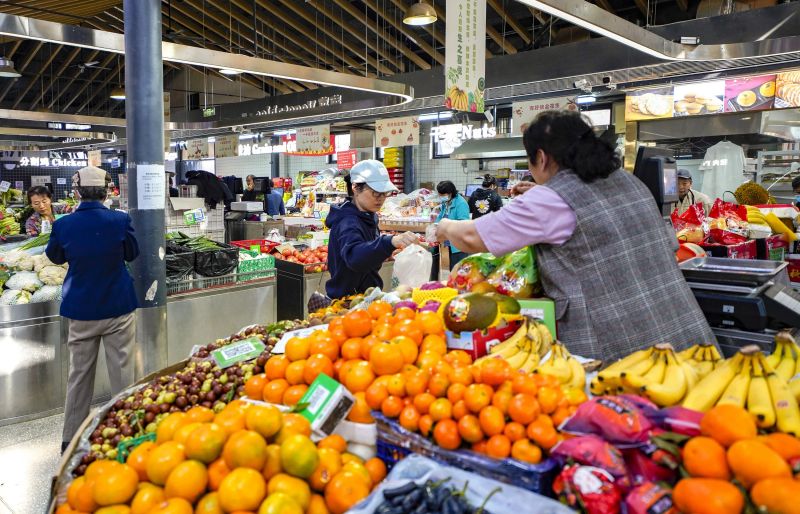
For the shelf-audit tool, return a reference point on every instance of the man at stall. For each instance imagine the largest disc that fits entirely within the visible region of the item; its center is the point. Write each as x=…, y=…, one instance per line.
x=40, y=198
x=356, y=250
x=98, y=295
x=608, y=264
x=688, y=196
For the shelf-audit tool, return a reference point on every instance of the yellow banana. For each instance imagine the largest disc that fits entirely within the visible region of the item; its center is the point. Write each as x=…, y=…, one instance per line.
x=775, y=357
x=759, y=399
x=624, y=363
x=674, y=386
x=715, y=355
x=512, y=345
x=787, y=413
x=556, y=365
x=688, y=353
x=689, y=371
x=531, y=363
x=656, y=373
x=519, y=358
x=709, y=389
x=780, y=227
x=794, y=386
x=578, y=373
x=785, y=368
x=736, y=392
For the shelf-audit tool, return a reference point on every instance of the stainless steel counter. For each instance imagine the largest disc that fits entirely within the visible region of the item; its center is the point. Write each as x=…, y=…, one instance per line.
x=34, y=360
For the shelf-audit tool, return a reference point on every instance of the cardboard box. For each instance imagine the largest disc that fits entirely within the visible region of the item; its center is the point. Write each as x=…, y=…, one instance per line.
x=746, y=250
x=479, y=342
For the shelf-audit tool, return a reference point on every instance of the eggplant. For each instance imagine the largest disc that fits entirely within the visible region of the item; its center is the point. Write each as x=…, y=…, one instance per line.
x=412, y=500
x=403, y=490
x=453, y=506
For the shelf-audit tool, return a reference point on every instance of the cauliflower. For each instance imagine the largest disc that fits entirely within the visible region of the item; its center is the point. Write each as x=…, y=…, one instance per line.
x=47, y=294
x=19, y=260
x=25, y=263
x=14, y=297
x=40, y=261
x=52, y=275
x=26, y=280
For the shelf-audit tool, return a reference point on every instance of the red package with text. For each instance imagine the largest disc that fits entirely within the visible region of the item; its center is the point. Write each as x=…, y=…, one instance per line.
x=650, y=464
x=689, y=225
x=588, y=489
x=617, y=419
x=678, y=419
x=725, y=237
x=649, y=498
x=592, y=451
x=728, y=210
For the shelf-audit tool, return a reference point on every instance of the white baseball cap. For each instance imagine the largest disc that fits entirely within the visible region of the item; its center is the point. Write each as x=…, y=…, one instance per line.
x=89, y=176
x=372, y=173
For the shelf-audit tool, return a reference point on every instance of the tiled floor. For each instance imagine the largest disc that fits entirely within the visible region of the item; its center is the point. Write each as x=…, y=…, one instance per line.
x=29, y=456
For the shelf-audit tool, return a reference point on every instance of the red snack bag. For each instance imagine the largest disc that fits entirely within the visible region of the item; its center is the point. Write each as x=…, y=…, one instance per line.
x=678, y=419
x=722, y=209
x=617, y=419
x=588, y=489
x=725, y=237
x=650, y=464
x=649, y=498
x=689, y=225
x=591, y=450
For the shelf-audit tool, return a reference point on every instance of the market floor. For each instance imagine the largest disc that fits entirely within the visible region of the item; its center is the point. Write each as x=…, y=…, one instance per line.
x=29, y=457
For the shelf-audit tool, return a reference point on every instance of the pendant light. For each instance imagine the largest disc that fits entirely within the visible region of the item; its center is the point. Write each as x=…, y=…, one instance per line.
x=117, y=93
x=7, y=68
x=420, y=13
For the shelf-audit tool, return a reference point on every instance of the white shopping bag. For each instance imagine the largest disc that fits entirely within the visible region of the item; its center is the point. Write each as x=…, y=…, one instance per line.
x=412, y=266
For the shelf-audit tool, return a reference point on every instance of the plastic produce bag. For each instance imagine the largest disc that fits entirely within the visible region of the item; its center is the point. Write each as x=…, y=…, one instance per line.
x=418, y=469
x=47, y=294
x=215, y=263
x=473, y=270
x=14, y=297
x=26, y=280
x=689, y=225
x=179, y=260
x=517, y=275
x=412, y=266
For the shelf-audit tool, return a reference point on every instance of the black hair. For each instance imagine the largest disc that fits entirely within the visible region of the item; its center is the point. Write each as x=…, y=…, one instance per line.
x=795, y=183
x=351, y=187
x=489, y=181
x=527, y=178
x=92, y=193
x=446, y=187
x=39, y=191
x=569, y=139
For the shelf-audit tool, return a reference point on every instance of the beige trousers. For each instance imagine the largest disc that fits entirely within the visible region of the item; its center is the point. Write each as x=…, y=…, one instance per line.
x=118, y=335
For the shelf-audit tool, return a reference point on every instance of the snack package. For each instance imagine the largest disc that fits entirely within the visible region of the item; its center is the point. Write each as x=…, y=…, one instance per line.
x=728, y=210
x=725, y=237
x=617, y=419
x=472, y=270
x=689, y=225
x=591, y=450
x=649, y=498
x=650, y=464
x=517, y=276
x=588, y=489
x=728, y=223
x=677, y=419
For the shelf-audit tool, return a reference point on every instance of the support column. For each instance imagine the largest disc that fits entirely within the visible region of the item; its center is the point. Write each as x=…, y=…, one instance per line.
x=144, y=112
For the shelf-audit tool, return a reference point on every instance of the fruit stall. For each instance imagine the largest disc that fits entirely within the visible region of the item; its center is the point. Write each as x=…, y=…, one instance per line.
x=449, y=397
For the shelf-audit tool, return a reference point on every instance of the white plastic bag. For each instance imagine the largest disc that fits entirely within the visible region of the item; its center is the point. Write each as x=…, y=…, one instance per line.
x=412, y=266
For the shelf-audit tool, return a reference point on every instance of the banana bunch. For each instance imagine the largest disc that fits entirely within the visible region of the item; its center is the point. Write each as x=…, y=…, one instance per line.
x=565, y=367
x=785, y=359
x=9, y=226
x=525, y=348
x=749, y=381
x=658, y=372
x=458, y=99
x=754, y=215
x=704, y=358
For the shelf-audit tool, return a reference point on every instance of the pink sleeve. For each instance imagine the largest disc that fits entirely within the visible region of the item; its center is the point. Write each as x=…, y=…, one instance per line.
x=538, y=216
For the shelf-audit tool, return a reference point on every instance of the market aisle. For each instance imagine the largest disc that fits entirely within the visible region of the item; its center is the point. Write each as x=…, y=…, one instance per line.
x=29, y=456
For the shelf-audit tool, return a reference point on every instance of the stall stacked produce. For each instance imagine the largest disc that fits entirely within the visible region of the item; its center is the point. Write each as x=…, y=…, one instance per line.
x=28, y=276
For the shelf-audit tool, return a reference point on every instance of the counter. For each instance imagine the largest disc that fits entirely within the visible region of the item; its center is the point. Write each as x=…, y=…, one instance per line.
x=35, y=360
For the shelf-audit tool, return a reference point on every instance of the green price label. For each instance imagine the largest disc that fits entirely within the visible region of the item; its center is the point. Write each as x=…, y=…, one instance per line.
x=189, y=218
x=244, y=350
x=255, y=248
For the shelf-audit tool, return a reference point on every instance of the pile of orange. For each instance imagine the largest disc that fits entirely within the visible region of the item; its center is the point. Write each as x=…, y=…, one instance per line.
x=247, y=458
x=731, y=449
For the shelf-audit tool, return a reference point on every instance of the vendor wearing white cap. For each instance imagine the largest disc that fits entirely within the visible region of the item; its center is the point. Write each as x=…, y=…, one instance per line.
x=688, y=196
x=356, y=250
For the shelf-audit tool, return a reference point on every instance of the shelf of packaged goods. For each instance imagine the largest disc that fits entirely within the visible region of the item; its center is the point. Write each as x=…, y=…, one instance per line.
x=403, y=226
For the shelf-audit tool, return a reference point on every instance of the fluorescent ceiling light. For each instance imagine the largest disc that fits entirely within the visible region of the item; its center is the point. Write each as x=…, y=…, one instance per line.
x=212, y=139
x=420, y=13
x=117, y=93
x=433, y=116
x=7, y=68
x=244, y=137
x=287, y=132
x=229, y=71
x=585, y=99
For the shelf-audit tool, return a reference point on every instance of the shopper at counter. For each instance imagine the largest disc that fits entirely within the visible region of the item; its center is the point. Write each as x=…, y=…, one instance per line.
x=453, y=207
x=485, y=200
x=250, y=194
x=44, y=215
x=98, y=295
x=356, y=250
x=603, y=251
x=688, y=196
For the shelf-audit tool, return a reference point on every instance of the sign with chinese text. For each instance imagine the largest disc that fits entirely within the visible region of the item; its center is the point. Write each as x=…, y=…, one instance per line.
x=314, y=140
x=53, y=159
x=397, y=131
x=150, y=186
x=196, y=149
x=346, y=160
x=447, y=138
x=523, y=113
x=40, y=180
x=465, y=55
x=226, y=146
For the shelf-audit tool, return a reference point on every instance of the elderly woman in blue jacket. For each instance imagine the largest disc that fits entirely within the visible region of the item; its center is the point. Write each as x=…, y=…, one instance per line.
x=453, y=207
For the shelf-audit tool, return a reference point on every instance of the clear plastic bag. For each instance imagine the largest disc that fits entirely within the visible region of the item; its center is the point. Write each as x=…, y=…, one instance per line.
x=412, y=266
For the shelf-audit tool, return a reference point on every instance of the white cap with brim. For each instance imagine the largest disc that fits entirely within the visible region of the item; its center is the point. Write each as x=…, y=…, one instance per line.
x=90, y=176
x=374, y=174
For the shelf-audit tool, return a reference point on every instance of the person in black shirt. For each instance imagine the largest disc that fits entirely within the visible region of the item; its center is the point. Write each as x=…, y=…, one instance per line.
x=485, y=200
x=250, y=192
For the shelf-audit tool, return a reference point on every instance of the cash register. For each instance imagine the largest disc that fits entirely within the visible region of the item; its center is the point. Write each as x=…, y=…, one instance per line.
x=657, y=169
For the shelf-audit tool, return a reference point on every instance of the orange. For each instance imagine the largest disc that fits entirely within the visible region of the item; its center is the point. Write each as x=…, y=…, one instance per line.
x=514, y=431
x=523, y=408
x=245, y=449
x=295, y=372
x=443, y=367
x=293, y=424
x=478, y=396
x=274, y=389
x=217, y=470
x=357, y=323
x=526, y=451
x=208, y=504
x=351, y=349
x=273, y=465
x=456, y=392
x=188, y=481
x=183, y=432
x=403, y=314
x=276, y=367
x=100, y=467
x=338, y=336
x=423, y=402
x=242, y=489
x=560, y=415
x=330, y=463
x=495, y=371
x=168, y=426
x=786, y=445
x=293, y=394
x=410, y=329
x=776, y=495
x=359, y=377
x=205, y=442
x=163, y=459
x=367, y=343
x=351, y=457
x=575, y=396
x=377, y=469
x=441, y=409
x=460, y=410
x=382, y=331
x=501, y=400
x=428, y=360
x=704, y=457
x=230, y=420
x=469, y=428
x=408, y=347
x=334, y=442
x=255, y=385
x=438, y=385
x=752, y=461
x=425, y=425
x=137, y=459
x=446, y=435
x=297, y=349
x=434, y=343
x=409, y=418
x=397, y=385
x=375, y=395
x=317, y=505
x=336, y=323
x=728, y=424
x=392, y=406
x=479, y=447
x=708, y=495
x=548, y=398
x=296, y=489
x=361, y=412
x=173, y=506
x=498, y=446
x=266, y=420
x=543, y=434
x=324, y=346
x=79, y=495
x=386, y=359
x=378, y=309
x=492, y=420
x=416, y=382
x=115, y=486
x=458, y=358
x=146, y=499
x=524, y=383
x=461, y=375
x=299, y=456
x=431, y=323
x=200, y=414
x=344, y=491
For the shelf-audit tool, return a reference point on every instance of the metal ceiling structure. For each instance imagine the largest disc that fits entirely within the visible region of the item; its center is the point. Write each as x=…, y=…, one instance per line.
x=359, y=37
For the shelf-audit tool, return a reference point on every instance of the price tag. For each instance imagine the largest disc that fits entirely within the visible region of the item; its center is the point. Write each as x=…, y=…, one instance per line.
x=199, y=215
x=4, y=186
x=61, y=181
x=303, y=332
x=255, y=248
x=18, y=184
x=237, y=352
x=188, y=217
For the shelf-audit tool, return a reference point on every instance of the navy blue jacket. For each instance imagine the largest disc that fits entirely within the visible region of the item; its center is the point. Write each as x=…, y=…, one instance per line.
x=96, y=242
x=356, y=251
x=274, y=204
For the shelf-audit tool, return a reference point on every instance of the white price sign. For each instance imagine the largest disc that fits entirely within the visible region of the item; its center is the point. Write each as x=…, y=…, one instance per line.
x=151, y=186
x=4, y=186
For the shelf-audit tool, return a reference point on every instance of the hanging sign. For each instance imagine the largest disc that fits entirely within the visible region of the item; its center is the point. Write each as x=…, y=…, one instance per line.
x=346, y=160
x=523, y=113
x=397, y=131
x=699, y=98
x=649, y=104
x=314, y=139
x=465, y=55
x=750, y=93
x=40, y=180
x=196, y=149
x=226, y=146
x=788, y=90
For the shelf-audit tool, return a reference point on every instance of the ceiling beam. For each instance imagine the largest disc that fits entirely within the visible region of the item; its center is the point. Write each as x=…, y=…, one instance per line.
x=102, y=86
x=431, y=51
x=512, y=22
x=35, y=79
x=683, y=5
x=605, y=4
x=61, y=69
x=22, y=67
x=97, y=71
x=65, y=89
x=642, y=5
